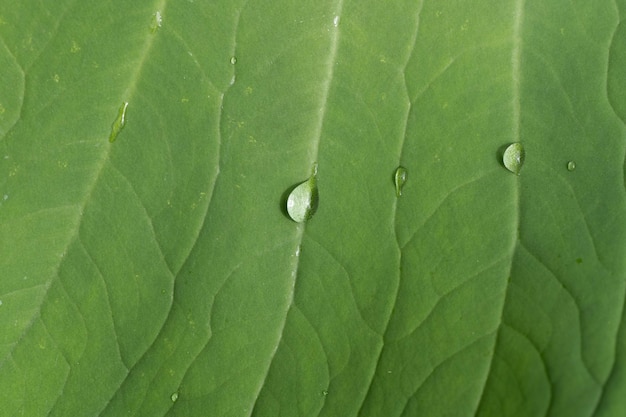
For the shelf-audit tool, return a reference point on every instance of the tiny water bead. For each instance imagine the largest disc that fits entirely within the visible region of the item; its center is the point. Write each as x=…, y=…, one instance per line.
x=571, y=165
x=119, y=123
x=174, y=397
x=513, y=157
x=304, y=198
x=399, y=179
x=233, y=60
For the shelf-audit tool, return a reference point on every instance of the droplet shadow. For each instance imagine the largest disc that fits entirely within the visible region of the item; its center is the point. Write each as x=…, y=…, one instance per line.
x=500, y=154
x=283, y=200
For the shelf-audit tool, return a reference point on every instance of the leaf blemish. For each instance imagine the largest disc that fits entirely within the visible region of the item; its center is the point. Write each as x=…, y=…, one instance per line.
x=157, y=19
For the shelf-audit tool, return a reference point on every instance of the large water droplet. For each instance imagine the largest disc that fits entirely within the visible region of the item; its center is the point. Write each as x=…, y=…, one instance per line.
x=399, y=179
x=571, y=165
x=303, y=200
x=119, y=123
x=513, y=157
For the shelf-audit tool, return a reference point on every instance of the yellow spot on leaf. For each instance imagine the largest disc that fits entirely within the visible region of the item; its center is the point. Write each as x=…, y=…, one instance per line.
x=75, y=47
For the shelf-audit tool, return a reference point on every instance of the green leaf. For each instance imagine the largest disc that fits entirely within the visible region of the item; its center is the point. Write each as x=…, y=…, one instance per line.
x=160, y=274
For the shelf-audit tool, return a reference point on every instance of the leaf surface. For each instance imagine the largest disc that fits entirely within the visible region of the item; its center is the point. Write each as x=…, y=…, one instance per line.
x=160, y=274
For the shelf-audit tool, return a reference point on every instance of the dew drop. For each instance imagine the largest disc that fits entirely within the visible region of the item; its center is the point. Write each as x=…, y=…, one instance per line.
x=513, y=157
x=303, y=200
x=119, y=123
x=571, y=165
x=174, y=397
x=233, y=60
x=399, y=179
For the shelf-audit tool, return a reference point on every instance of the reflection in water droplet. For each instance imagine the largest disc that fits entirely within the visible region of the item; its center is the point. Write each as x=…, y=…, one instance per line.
x=303, y=200
x=233, y=60
x=513, y=157
x=119, y=123
x=174, y=397
x=571, y=165
x=399, y=179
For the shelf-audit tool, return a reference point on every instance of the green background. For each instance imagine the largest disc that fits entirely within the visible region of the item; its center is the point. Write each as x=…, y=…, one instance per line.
x=160, y=275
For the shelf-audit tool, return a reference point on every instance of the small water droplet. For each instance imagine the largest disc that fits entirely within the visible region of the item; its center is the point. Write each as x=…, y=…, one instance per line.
x=571, y=165
x=325, y=392
x=336, y=21
x=174, y=397
x=298, y=251
x=399, y=179
x=513, y=157
x=119, y=123
x=303, y=200
x=233, y=60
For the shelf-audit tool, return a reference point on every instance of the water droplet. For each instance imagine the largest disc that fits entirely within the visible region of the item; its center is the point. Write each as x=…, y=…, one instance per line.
x=571, y=165
x=174, y=397
x=325, y=392
x=233, y=60
x=399, y=179
x=119, y=123
x=513, y=157
x=336, y=21
x=303, y=200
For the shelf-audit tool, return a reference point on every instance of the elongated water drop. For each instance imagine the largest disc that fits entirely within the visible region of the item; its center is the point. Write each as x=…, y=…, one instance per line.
x=513, y=157
x=303, y=200
x=399, y=179
x=119, y=123
x=571, y=165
